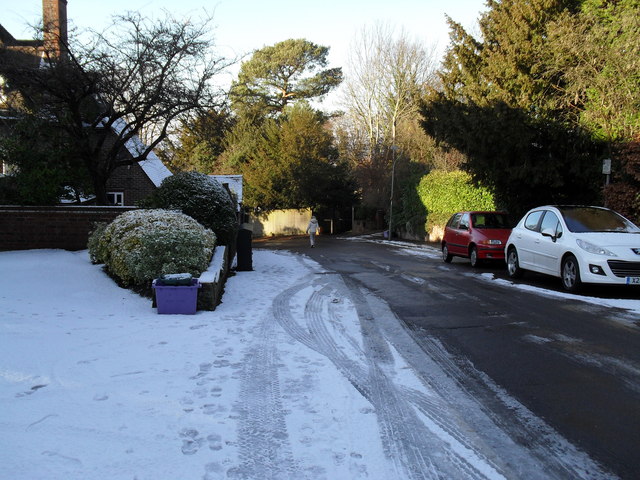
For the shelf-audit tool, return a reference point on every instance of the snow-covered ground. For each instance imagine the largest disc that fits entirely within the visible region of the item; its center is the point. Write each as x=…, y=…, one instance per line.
x=296, y=375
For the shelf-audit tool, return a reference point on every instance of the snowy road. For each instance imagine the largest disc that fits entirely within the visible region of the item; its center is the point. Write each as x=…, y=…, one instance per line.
x=299, y=374
x=423, y=432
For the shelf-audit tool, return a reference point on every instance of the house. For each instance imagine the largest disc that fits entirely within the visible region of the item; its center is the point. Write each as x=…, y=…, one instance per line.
x=233, y=184
x=130, y=184
x=127, y=184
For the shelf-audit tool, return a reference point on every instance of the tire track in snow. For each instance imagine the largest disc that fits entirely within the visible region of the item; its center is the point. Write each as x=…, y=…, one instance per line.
x=314, y=314
x=409, y=435
x=415, y=450
x=282, y=312
x=446, y=432
x=263, y=440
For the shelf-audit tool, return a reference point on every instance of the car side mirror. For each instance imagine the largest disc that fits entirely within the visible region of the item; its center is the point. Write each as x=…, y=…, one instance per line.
x=547, y=232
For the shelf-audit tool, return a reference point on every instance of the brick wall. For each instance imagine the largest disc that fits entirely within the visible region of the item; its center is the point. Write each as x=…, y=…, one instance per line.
x=132, y=181
x=65, y=227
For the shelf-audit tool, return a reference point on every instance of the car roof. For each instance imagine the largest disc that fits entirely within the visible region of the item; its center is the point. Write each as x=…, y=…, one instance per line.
x=569, y=207
x=482, y=211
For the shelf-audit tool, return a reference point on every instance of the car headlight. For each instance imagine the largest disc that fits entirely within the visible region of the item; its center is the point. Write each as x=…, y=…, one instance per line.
x=591, y=248
x=491, y=242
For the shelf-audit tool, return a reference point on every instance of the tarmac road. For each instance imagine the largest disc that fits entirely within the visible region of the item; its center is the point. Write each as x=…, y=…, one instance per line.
x=573, y=364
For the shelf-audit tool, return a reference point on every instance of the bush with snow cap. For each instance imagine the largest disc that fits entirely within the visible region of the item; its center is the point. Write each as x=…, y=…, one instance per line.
x=201, y=197
x=141, y=245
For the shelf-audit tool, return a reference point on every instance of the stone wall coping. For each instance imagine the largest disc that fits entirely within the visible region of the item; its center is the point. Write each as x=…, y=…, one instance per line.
x=216, y=267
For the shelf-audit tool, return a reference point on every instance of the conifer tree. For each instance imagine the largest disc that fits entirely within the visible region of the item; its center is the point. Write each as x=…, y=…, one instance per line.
x=505, y=108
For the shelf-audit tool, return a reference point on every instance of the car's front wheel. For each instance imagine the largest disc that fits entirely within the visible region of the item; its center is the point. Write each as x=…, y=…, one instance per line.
x=446, y=256
x=473, y=256
x=570, y=274
x=513, y=264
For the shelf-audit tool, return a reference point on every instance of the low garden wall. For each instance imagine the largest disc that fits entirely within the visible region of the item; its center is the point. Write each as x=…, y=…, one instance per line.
x=68, y=228
x=213, y=279
x=63, y=227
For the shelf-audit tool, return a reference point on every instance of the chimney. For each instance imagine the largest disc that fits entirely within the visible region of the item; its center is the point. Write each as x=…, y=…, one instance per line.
x=54, y=19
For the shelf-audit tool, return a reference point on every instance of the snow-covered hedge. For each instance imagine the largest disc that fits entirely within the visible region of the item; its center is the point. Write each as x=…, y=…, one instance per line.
x=201, y=197
x=141, y=245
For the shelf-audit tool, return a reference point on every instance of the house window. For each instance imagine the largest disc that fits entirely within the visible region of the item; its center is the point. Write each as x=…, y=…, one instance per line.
x=115, y=198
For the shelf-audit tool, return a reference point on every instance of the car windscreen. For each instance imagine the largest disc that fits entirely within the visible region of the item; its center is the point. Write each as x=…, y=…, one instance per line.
x=586, y=219
x=490, y=220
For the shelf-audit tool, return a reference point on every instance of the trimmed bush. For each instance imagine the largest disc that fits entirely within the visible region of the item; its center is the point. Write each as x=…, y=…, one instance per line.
x=201, y=197
x=97, y=248
x=445, y=193
x=141, y=245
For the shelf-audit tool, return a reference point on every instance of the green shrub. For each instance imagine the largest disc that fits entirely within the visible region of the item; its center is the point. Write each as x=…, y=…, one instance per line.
x=141, y=245
x=97, y=248
x=201, y=197
x=445, y=193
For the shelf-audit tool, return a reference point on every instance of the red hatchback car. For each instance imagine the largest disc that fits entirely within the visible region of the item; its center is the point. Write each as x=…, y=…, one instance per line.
x=477, y=236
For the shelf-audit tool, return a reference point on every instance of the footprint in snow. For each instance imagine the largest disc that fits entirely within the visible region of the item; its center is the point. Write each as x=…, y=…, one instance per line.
x=34, y=389
x=191, y=443
x=215, y=442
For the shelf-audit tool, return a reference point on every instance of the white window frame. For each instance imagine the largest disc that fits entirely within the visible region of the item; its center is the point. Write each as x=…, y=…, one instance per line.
x=118, y=198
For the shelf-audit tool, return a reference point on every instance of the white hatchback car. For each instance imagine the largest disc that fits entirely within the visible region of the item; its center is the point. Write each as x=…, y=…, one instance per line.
x=579, y=244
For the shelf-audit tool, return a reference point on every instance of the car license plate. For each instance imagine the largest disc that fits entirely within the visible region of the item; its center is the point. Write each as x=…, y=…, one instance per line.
x=633, y=280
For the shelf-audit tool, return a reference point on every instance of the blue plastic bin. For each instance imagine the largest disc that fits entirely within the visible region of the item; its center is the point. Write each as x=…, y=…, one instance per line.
x=176, y=299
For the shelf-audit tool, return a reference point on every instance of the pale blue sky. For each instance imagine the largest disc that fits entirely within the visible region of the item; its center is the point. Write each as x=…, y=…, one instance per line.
x=246, y=25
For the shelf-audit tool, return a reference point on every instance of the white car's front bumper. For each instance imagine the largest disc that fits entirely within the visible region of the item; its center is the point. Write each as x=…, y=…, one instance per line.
x=610, y=270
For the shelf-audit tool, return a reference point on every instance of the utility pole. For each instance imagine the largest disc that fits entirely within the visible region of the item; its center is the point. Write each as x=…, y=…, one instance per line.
x=393, y=175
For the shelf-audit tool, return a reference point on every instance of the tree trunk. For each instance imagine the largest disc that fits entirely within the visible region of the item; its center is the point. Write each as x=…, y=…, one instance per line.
x=100, y=189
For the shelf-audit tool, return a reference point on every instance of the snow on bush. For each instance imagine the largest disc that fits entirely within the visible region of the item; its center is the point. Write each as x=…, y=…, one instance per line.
x=141, y=245
x=97, y=251
x=201, y=197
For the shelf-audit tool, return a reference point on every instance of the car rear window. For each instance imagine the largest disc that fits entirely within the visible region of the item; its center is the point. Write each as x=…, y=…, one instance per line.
x=589, y=219
x=490, y=220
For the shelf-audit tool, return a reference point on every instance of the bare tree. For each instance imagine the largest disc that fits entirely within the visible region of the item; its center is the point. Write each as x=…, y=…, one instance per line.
x=135, y=79
x=386, y=75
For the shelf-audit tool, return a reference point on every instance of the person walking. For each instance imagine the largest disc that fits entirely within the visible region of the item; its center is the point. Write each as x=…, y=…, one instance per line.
x=311, y=230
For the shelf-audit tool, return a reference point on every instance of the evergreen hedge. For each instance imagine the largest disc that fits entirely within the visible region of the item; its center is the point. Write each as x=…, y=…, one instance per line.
x=202, y=198
x=444, y=193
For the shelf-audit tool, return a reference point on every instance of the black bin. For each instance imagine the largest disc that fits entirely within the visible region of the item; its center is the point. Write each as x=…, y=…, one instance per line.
x=244, y=252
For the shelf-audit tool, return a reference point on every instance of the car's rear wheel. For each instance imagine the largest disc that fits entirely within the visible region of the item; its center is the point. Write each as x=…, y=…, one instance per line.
x=446, y=256
x=473, y=256
x=513, y=264
x=570, y=274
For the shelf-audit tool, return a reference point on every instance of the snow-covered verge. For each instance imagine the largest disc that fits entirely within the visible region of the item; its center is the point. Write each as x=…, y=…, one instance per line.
x=95, y=384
